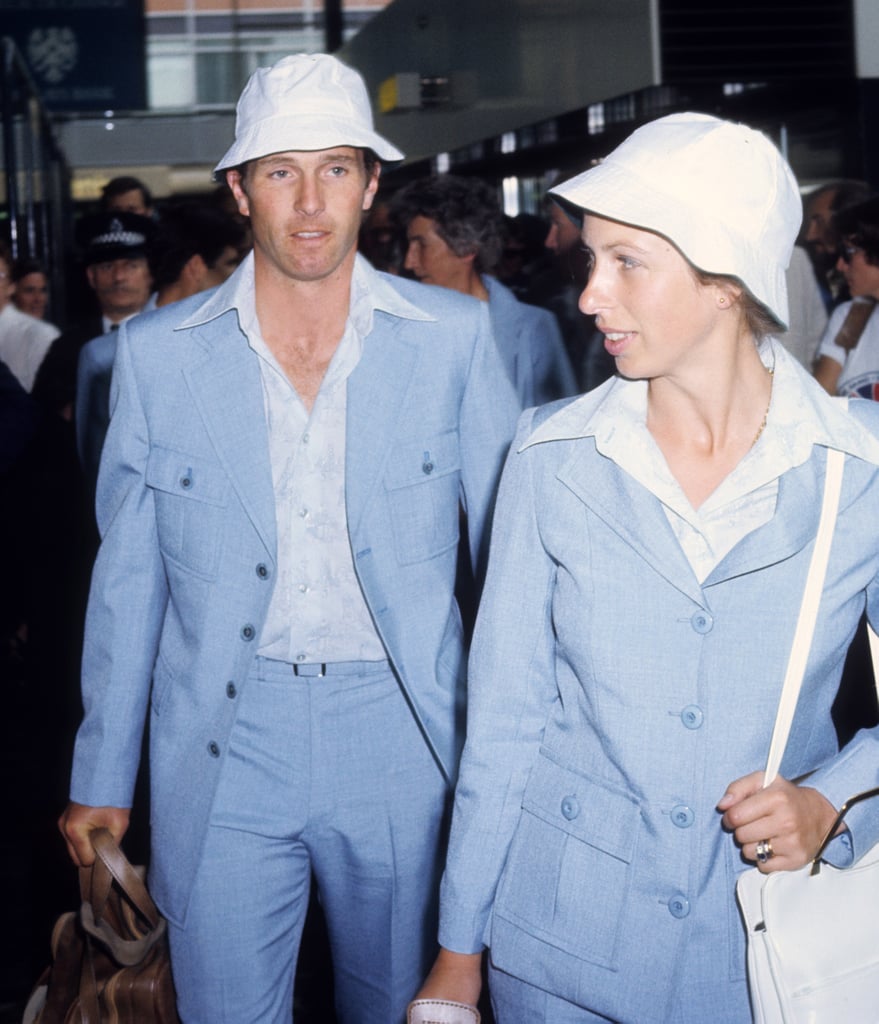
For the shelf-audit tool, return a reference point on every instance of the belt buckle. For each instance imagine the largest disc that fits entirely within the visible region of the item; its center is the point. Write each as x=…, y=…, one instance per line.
x=311, y=675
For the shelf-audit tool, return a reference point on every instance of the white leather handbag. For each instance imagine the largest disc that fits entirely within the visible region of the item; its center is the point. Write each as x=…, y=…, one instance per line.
x=813, y=934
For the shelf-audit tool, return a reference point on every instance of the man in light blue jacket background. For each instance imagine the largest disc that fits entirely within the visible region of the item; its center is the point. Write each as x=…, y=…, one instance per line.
x=454, y=237
x=279, y=499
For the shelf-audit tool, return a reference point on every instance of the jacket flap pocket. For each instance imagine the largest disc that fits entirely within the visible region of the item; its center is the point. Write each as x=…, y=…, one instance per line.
x=583, y=806
x=418, y=463
x=186, y=475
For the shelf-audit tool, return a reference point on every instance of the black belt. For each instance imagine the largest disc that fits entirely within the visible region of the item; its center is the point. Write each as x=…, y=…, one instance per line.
x=319, y=669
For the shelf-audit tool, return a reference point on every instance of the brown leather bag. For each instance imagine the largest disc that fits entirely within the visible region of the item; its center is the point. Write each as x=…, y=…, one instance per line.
x=110, y=961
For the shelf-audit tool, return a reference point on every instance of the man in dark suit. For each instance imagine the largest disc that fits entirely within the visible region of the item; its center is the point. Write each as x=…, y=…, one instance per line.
x=117, y=272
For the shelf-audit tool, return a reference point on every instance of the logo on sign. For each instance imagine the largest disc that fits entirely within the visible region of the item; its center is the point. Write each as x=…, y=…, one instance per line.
x=52, y=53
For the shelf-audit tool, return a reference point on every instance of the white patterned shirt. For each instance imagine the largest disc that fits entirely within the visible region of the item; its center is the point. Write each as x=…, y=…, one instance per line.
x=317, y=612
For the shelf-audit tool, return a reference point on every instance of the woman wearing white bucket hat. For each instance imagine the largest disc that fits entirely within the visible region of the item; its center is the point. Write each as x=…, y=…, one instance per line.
x=649, y=555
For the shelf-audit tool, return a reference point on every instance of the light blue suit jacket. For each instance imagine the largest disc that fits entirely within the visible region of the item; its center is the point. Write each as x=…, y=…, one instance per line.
x=186, y=509
x=94, y=370
x=531, y=347
x=613, y=698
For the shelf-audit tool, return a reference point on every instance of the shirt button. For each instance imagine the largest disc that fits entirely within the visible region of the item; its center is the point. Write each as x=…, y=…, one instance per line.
x=214, y=749
x=231, y=691
x=682, y=816
x=702, y=622
x=679, y=906
x=248, y=632
x=303, y=513
x=570, y=808
x=692, y=716
x=305, y=438
x=300, y=657
x=262, y=571
x=303, y=588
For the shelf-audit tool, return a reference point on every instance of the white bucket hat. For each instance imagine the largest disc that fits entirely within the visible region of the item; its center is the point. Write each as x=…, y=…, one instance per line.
x=721, y=192
x=304, y=102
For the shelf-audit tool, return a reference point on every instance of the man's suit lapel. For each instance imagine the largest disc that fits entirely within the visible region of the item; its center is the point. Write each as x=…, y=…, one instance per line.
x=377, y=392
x=227, y=391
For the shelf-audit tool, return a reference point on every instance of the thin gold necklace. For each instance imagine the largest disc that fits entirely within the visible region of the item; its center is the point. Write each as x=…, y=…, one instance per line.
x=765, y=414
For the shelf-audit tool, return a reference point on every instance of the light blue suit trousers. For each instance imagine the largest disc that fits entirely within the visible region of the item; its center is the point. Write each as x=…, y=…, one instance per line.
x=297, y=793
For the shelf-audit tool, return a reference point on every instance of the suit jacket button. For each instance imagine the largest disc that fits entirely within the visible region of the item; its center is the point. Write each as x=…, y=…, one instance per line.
x=231, y=692
x=214, y=749
x=570, y=807
x=702, y=622
x=682, y=816
x=248, y=632
x=692, y=716
x=679, y=906
x=262, y=571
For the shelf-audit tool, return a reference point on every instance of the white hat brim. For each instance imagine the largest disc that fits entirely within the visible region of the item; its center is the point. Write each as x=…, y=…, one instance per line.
x=280, y=134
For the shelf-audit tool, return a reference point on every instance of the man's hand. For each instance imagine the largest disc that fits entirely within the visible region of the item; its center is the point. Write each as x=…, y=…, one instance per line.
x=78, y=822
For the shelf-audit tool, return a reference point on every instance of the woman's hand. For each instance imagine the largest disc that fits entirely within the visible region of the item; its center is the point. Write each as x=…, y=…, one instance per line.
x=454, y=976
x=793, y=819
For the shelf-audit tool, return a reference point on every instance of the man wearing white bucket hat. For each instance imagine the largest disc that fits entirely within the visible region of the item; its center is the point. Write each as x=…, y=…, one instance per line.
x=649, y=555
x=279, y=499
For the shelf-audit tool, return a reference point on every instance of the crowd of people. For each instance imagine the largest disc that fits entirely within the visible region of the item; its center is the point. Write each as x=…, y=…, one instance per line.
x=256, y=488
x=132, y=254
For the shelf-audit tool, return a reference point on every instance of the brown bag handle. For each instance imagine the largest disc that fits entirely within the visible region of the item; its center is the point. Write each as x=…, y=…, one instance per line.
x=849, y=334
x=96, y=882
x=111, y=865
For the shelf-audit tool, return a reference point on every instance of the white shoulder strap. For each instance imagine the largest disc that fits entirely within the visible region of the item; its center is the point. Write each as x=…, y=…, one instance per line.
x=874, y=655
x=802, y=642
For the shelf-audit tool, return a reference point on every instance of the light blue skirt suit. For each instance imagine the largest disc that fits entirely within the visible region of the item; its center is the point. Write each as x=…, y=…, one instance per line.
x=613, y=698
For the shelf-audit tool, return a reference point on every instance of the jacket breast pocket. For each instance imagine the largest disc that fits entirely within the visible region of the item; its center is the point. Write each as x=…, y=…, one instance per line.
x=568, y=872
x=421, y=485
x=190, y=496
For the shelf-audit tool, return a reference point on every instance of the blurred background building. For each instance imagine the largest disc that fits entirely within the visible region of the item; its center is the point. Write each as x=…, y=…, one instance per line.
x=510, y=89
x=446, y=74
